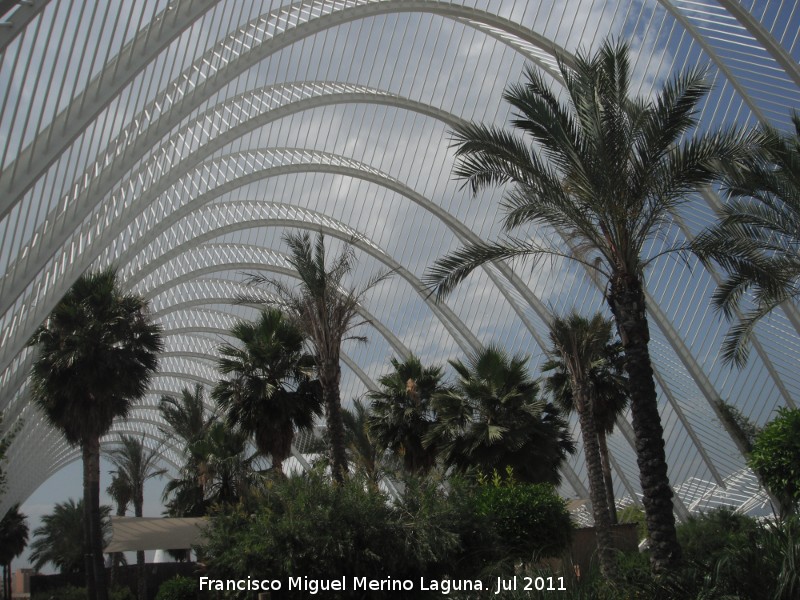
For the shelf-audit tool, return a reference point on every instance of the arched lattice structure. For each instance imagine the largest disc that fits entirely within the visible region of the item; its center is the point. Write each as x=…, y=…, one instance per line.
x=179, y=139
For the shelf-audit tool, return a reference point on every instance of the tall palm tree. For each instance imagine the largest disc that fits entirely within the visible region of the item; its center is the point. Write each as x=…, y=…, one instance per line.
x=327, y=313
x=605, y=170
x=95, y=355
x=401, y=413
x=5, y=443
x=122, y=494
x=757, y=238
x=135, y=464
x=268, y=390
x=493, y=418
x=189, y=420
x=363, y=451
x=13, y=539
x=60, y=539
x=609, y=397
x=580, y=358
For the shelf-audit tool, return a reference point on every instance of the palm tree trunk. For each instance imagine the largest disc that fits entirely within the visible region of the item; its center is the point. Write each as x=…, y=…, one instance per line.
x=329, y=377
x=597, y=492
x=609, y=483
x=116, y=558
x=91, y=590
x=95, y=526
x=627, y=303
x=141, y=574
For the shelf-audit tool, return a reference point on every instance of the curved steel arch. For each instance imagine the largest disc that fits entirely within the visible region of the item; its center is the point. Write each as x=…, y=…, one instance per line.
x=70, y=122
x=227, y=260
x=347, y=236
x=209, y=73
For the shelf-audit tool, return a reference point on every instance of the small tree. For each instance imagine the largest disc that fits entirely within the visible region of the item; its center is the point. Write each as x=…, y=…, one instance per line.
x=776, y=458
x=135, y=464
x=493, y=417
x=13, y=539
x=401, y=412
x=267, y=390
x=94, y=357
x=327, y=313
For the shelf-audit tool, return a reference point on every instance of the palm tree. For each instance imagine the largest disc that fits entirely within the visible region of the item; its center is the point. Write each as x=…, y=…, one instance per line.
x=226, y=471
x=757, y=239
x=187, y=417
x=583, y=380
x=605, y=170
x=188, y=420
x=363, y=451
x=268, y=391
x=5, y=443
x=493, y=418
x=60, y=539
x=609, y=398
x=327, y=313
x=401, y=413
x=13, y=539
x=95, y=355
x=122, y=494
x=135, y=464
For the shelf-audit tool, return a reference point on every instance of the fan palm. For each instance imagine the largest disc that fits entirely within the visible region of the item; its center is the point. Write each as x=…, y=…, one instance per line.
x=609, y=399
x=13, y=539
x=188, y=420
x=225, y=469
x=121, y=494
x=493, y=418
x=327, y=313
x=268, y=391
x=95, y=355
x=605, y=171
x=60, y=539
x=757, y=238
x=135, y=464
x=580, y=358
x=363, y=451
x=401, y=414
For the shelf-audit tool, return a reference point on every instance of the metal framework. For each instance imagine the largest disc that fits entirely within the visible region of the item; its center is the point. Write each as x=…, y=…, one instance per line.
x=179, y=139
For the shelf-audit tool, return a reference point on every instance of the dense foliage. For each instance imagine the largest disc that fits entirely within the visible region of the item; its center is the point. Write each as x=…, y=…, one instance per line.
x=528, y=521
x=776, y=457
x=306, y=525
x=178, y=588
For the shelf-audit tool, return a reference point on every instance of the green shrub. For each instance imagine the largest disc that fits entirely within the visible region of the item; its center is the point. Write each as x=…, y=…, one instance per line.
x=776, y=457
x=530, y=521
x=178, y=588
x=121, y=593
x=307, y=526
x=68, y=592
x=704, y=538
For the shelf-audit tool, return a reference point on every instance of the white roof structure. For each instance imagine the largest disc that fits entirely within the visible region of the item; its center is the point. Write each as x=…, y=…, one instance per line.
x=179, y=139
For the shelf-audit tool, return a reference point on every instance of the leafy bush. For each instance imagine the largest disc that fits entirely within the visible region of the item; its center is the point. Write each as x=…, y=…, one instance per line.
x=178, y=588
x=776, y=457
x=307, y=526
x=529, y=521
x=706, y=537
x=68, y=592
